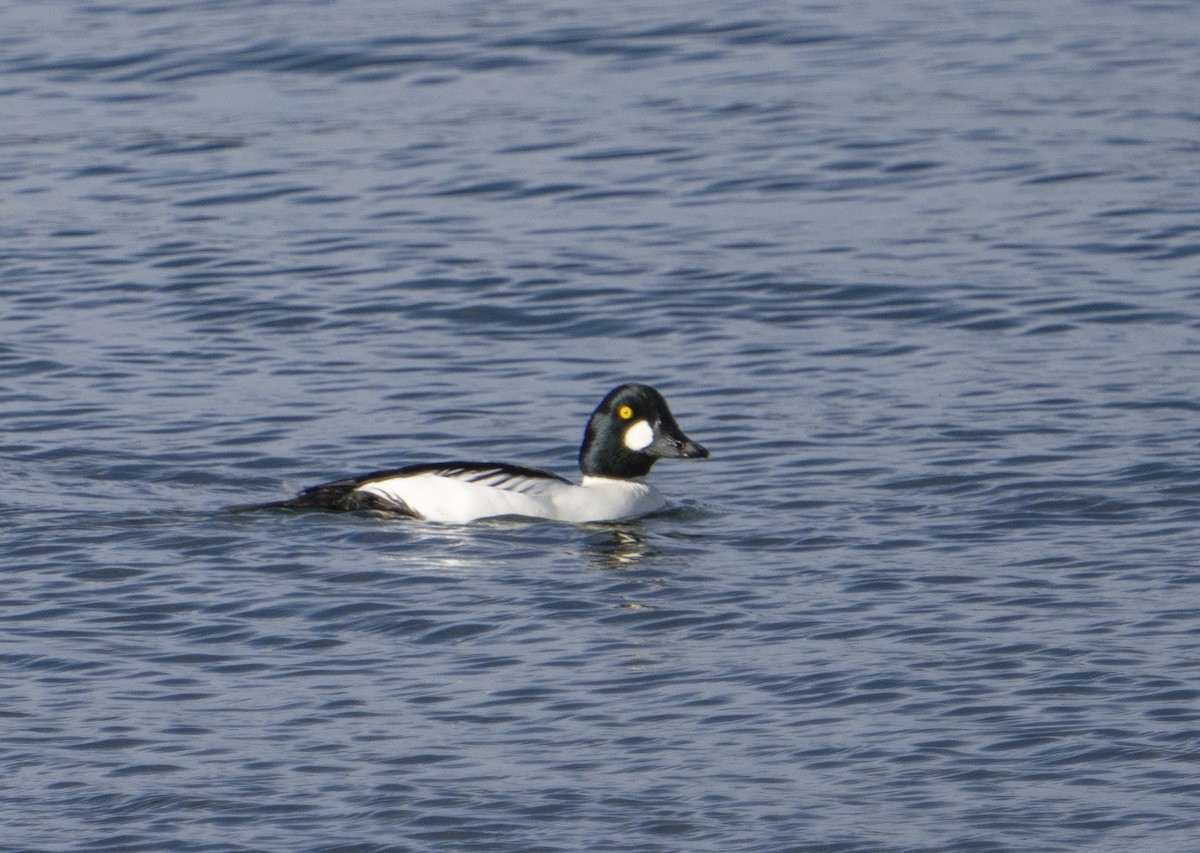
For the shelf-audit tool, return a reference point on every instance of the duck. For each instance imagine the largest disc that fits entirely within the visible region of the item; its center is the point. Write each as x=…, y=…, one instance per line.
x=628, y=432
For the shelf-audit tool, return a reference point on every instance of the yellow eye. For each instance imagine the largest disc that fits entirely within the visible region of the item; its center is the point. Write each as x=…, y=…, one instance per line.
x=625, y=412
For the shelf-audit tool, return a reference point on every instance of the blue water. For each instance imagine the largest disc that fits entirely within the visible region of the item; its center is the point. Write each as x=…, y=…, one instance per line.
x=925, y=278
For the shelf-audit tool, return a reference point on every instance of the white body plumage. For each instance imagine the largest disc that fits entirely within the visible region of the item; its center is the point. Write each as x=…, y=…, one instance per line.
x=459, y=499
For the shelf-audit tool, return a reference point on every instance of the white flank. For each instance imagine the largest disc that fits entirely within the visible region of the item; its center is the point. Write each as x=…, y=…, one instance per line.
x=639, y=436
x=448, y=499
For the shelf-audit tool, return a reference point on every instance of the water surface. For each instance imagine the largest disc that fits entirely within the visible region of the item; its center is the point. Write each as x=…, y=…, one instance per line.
x=924, y=279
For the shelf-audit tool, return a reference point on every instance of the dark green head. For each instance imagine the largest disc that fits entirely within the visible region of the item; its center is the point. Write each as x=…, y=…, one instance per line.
x=631, y=429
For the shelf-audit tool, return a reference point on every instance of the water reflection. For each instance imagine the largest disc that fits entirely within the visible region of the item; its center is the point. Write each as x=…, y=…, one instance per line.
x=618, y=547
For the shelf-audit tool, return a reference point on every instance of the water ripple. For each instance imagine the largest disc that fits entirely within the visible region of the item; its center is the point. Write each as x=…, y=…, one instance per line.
x=922, y=284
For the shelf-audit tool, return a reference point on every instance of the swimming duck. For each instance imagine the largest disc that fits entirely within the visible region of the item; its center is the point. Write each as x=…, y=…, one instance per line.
x=629, y=431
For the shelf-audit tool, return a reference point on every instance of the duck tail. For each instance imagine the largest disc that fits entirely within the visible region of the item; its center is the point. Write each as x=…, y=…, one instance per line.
x=339, y=496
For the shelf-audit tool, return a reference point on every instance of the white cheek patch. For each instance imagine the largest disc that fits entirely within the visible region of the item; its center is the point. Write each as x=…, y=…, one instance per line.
x=639, y=436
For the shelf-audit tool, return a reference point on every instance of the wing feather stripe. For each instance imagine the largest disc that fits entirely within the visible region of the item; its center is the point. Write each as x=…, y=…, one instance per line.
x=499, y=475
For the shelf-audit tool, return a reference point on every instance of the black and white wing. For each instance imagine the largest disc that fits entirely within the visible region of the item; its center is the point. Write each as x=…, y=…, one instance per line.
x=458, y=490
